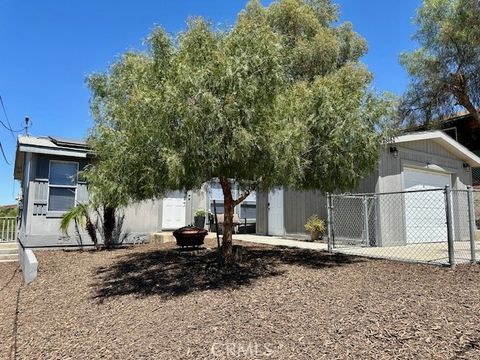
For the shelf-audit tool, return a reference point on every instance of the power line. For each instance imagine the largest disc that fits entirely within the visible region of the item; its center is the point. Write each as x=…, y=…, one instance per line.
x=3, y=153
x=9, y=127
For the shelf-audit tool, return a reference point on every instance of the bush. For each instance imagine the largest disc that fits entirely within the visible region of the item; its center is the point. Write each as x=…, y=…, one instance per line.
x=201, y=212
x=315, y=226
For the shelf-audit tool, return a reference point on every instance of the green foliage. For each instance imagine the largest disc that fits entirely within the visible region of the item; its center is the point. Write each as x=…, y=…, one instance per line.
x=315, y=225
x=200, y=212
x=8, y=211
x=278, y=99
x=76, y=214
x=445, y=69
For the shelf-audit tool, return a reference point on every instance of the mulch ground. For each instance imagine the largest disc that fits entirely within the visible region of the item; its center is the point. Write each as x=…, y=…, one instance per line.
x=10, y=282
x=152, y=302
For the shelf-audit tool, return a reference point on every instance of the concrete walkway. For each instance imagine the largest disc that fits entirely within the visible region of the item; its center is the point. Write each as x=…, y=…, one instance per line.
x=278, y=241
x=432, y=253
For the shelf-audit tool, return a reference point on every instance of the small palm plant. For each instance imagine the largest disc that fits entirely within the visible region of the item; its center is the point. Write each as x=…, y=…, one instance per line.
x=80, y=215
x=315, y=227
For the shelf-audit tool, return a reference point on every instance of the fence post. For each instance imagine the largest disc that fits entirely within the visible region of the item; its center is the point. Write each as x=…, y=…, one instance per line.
x=471, y=224
x=329, y=222
x=448, y=208
x=365, y=220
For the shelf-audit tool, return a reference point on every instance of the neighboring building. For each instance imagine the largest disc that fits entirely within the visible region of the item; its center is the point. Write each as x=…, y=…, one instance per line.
x=462, y=128
x=48, y=167
x=419, y=160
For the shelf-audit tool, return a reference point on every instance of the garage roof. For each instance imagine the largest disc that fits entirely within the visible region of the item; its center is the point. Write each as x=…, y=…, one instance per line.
x=445, y=141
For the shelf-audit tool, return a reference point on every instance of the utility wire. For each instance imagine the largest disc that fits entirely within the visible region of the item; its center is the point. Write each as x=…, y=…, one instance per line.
x=8, y=127
x=3, y=153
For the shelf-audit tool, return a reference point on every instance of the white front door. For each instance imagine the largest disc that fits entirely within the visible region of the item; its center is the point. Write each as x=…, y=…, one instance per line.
x=275, y=213
x=173, y=211
x=425, y=214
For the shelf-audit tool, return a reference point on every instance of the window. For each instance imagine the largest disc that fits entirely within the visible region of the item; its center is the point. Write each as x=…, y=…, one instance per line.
x=62, y=180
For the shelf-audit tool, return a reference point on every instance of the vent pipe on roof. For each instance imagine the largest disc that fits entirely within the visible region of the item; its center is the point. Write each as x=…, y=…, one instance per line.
x=27, y=124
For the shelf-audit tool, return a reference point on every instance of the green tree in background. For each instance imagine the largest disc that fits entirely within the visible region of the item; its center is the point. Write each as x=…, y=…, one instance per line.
x=445, y=69
x=279, y=99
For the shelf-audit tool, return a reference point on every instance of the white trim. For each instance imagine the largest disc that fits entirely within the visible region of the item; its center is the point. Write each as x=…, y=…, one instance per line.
x=50, y=151
x=444, y=140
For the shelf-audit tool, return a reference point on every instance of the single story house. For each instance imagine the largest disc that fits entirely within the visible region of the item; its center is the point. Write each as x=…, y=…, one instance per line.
x=421, y=160
x=48, y=167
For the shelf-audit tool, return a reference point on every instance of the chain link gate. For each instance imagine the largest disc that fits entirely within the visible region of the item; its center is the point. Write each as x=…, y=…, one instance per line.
x=434, y=226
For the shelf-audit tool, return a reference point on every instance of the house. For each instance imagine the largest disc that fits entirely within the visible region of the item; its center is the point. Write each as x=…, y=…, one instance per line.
x=48, y=167
x=413, y=161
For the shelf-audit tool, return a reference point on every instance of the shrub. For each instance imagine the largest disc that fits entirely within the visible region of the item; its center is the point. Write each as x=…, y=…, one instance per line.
x=201, y=212
x=315, y=225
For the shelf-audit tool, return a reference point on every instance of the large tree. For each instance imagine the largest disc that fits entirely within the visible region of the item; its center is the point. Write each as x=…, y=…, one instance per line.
x=445, y=69
x=279, y=99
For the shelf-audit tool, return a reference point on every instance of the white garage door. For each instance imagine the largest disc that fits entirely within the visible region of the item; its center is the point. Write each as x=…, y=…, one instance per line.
x=173, y=211
x=275, y=213
x=425, y=215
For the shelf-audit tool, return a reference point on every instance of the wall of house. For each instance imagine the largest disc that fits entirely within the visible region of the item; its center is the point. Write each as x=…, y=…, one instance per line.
x=298, y=206
x=41, y=228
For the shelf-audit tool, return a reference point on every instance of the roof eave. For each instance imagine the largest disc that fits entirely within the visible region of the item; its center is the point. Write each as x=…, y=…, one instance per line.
x=446, y=141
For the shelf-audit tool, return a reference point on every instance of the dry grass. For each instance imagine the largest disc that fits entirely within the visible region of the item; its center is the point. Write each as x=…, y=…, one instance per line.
x=152, y=302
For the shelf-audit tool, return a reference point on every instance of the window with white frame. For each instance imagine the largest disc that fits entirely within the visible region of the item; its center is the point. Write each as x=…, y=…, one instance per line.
x=62, y=185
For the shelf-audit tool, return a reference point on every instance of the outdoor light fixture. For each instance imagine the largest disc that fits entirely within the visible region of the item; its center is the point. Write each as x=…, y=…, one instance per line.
x=466, y=166
x=394, y=151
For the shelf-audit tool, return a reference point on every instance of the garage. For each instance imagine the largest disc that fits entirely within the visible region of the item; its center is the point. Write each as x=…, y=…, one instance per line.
x=396, y=214
x=425, y=214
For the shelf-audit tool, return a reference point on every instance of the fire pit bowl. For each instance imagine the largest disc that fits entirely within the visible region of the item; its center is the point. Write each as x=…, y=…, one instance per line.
x=190, y=236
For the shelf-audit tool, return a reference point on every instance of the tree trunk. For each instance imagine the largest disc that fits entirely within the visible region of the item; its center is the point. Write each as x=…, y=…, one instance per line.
x=228, y=206
x=91, y=231
x=108, y=225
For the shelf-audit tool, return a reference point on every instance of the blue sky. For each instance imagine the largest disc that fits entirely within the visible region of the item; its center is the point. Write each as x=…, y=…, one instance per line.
x=48, y=47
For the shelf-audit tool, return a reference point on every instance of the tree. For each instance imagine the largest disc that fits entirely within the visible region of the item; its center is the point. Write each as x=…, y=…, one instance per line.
x=445, y=70
x=279, y=99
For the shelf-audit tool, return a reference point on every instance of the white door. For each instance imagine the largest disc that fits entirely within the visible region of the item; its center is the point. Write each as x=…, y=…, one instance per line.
x=173, y=214
x=425, y=214
x=275, y=213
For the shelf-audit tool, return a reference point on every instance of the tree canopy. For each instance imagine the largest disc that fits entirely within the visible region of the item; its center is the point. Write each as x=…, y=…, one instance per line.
x=445, y=69
x=279, y=99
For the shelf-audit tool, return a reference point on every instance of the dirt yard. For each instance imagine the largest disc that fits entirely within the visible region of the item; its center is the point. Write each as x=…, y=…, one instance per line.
x=152, y=302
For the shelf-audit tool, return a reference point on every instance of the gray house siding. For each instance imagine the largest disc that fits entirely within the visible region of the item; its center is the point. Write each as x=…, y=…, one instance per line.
x=298, y=206
x=40, y=228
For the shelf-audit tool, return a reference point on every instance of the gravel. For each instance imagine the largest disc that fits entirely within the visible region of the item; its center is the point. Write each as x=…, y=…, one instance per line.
x=153, y=302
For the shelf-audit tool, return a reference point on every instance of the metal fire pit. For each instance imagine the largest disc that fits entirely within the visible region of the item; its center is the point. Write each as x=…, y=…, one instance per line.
x=190, y=236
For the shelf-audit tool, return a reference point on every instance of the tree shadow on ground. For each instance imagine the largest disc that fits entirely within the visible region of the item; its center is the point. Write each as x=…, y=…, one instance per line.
x=171, y=272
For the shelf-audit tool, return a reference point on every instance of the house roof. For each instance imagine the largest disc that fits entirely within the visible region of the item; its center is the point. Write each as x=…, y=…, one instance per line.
x=50, y=146
x=443, y=140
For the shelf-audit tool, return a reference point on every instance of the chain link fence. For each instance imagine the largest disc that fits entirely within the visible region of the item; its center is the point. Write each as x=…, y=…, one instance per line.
x=435, y=226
